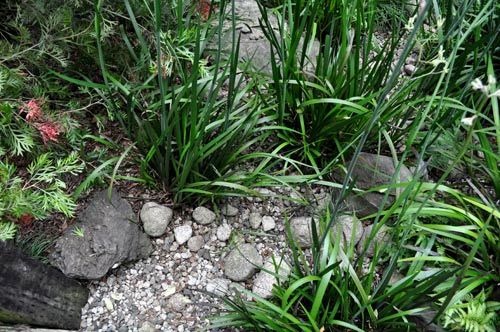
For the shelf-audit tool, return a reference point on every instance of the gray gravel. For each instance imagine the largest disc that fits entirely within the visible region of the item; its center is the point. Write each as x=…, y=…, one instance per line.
x=168, y=290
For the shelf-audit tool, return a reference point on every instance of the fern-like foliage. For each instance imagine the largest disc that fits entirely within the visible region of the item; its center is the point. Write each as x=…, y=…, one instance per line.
x=7, y=231
x=474, y=315
x=15, y=136
x=40, y=193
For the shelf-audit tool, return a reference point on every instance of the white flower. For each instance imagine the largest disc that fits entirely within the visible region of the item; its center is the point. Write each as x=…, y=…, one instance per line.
x=411, y=23
x=440, y=22
x=495, y=94
x=440, y=59
x=477, y=85
x=469, y=121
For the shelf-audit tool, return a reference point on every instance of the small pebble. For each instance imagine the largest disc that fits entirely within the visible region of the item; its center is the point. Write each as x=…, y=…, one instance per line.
x=268, y=223
x=223, y=232
x=183, y=233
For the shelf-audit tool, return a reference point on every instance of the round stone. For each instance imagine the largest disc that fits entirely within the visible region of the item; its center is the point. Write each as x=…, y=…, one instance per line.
x=300, y=228
x=268, y=223
x=223, y=232
x=196, y=243
x=242, y=262
x=255, y=219
x=265, y=281
x=178, y=302
x=229, y=211
x=219, y=286
x=410, y=69
x=147, y=327
x=203, y=216
x=350, y=227
x=155, y=218
x=182, y=233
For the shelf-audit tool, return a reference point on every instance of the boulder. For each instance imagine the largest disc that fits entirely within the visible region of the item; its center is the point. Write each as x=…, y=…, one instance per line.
x=254, y=46
x=27, y=328
x=242, y=262
x=36, y=294
x=110, y=238
x=371, y=171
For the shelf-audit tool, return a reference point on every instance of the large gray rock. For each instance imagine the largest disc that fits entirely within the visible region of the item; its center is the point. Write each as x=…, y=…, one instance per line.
x=27, y=328
x=37, y=294
x=155, y=218
x=242, y=262
x=348, y=226
x=110, y=238
x=371, y=171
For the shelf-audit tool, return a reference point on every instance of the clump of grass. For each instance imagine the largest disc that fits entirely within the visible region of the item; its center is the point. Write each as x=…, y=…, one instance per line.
x=170, y=102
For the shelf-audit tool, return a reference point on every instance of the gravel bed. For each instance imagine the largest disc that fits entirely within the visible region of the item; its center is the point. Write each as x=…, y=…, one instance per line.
x=173, y=289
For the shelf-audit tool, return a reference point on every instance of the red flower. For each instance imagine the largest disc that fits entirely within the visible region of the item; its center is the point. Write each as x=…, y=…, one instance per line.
x=33, y=109
x=204, y=7
x=26, y=219
x=49, y=131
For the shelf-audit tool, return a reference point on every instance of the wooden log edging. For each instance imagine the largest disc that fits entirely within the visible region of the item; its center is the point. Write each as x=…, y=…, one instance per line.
x=36, y=294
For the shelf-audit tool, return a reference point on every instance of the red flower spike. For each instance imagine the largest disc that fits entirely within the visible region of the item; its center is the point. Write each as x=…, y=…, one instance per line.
x=49, y=131
x=33, y=110
x=204, y=7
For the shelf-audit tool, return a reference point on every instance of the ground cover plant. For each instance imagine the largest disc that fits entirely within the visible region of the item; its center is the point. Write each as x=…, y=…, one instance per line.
x=206, y=125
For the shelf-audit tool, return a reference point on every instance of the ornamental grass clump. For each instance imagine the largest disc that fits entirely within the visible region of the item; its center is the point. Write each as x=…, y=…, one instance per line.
x=169, y=101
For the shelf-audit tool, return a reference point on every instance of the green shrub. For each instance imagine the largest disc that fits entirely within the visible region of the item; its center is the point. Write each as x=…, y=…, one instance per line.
x=39, y=192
